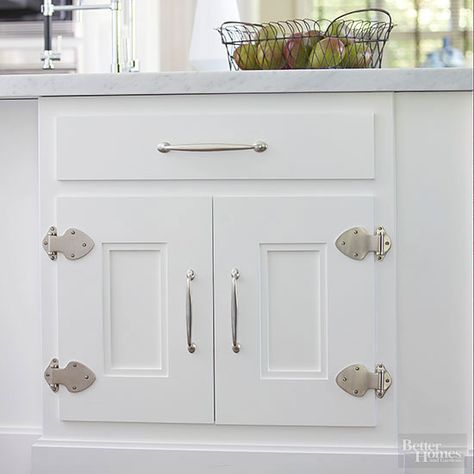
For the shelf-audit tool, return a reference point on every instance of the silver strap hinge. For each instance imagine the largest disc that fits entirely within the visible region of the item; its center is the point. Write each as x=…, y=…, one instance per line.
x=357, y=242
x=357, y=379
x=76, y=377
x=73, y=244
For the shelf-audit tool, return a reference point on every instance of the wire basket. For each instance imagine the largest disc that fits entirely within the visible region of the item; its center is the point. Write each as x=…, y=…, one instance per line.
x=346, y=42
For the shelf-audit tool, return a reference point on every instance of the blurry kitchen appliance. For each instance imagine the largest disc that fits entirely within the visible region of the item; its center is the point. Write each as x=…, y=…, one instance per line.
x=123, y=47
x=21, y=32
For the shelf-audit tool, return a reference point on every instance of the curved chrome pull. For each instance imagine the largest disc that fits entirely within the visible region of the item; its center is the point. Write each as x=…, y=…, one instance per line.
x=166, y=147
x=189, y=311
x=234, y=309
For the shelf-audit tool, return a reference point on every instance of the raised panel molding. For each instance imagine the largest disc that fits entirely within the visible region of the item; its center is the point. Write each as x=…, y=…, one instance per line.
x=293, y=311
x=135, y=329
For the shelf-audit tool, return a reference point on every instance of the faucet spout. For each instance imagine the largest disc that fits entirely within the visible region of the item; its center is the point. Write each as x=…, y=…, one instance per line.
x=48, y=8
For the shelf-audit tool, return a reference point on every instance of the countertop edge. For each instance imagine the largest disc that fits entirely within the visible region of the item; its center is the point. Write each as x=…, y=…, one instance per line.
x=240, y=82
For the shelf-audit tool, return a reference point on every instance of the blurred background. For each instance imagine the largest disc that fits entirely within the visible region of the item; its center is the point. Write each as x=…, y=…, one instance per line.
x=164, y=31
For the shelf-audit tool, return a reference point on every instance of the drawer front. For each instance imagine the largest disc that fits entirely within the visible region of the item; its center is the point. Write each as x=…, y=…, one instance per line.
x=309, y=136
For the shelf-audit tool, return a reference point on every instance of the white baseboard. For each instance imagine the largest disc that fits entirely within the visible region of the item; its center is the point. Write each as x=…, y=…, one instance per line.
x=56, y=457
x=15, y=449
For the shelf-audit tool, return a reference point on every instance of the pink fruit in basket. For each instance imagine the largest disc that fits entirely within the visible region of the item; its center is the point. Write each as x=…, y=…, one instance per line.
x=296, y=52
x=311, y=37
x=357, y=55
x=245, y=56
x=327, y=53
x=270, y=54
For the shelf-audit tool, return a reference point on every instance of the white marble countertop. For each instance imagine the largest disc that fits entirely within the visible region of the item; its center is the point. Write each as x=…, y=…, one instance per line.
x=355, y=80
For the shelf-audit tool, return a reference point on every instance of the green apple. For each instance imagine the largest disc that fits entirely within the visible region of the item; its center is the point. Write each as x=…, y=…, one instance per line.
x=268, y=32
x=357, y=55
x=340, y=29
x=245, y=56
x=270, y=54
x=327, y=53
x=296, y=51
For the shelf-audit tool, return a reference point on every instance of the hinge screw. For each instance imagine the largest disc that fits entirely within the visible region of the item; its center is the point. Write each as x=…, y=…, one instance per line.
x=73, y=232
x=73, y=255
x=356, y=231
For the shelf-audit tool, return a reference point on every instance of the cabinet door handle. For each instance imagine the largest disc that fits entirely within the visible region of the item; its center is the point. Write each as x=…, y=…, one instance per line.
x=189, y=312
x=166, y=147
x=234, y=309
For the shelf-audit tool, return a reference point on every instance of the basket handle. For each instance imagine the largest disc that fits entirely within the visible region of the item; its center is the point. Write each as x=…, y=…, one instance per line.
x=380, y=10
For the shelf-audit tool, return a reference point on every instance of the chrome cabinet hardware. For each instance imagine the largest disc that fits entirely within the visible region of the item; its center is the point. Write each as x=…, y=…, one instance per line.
x=73, y=244
x=357, y=379
x=357, y=242
x=189, y=312
x=234, y=309
x=166, y=147
x=76, y=377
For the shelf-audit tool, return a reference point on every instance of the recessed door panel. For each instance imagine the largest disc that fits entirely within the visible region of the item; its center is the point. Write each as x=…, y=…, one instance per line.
x=304, y=310
x=122, y=309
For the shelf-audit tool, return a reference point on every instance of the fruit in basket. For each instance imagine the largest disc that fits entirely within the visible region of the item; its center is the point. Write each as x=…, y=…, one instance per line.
x=357, y=55
x=270, y=54
x=339, y=29
x=296, y=51
x=327, y=53
x=267, y=32
x=245, y=56
x=311, y=37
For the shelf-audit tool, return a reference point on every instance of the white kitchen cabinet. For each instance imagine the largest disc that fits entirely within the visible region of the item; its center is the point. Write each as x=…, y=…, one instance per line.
x=122, y=309
x=305, y=310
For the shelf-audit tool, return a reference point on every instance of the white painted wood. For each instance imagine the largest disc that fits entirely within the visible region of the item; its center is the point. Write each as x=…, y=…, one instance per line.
x=20, y=326
x=313, y=136
x=16, y=447
x=434, y=170
x=306, y=311
x=191, y=435
x=122, y=309
x=104, y=458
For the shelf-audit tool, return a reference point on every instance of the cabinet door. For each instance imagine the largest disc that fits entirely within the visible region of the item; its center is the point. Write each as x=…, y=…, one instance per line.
x=122, y=309
x=305, y=310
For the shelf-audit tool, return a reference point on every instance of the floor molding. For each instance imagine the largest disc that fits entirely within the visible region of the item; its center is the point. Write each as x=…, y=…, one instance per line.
x=15, y=448
x=57, y=457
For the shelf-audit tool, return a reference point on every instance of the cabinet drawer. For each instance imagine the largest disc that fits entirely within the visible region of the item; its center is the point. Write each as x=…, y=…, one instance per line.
x=309, y=136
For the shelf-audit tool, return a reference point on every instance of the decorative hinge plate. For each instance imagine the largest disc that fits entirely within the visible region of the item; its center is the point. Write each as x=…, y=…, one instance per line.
x=76, y=377
x=357, y=379
x=73, y=244
x=357, y=242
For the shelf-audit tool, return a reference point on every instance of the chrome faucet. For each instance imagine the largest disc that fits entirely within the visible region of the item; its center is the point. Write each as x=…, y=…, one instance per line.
x=49, y=56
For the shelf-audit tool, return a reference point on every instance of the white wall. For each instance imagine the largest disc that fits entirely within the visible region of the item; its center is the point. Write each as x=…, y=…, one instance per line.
x=20, y=327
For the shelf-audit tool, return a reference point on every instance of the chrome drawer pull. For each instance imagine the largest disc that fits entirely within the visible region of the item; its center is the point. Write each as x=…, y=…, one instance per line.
x=233, y=309
x=166, y=147
x=189, y=312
